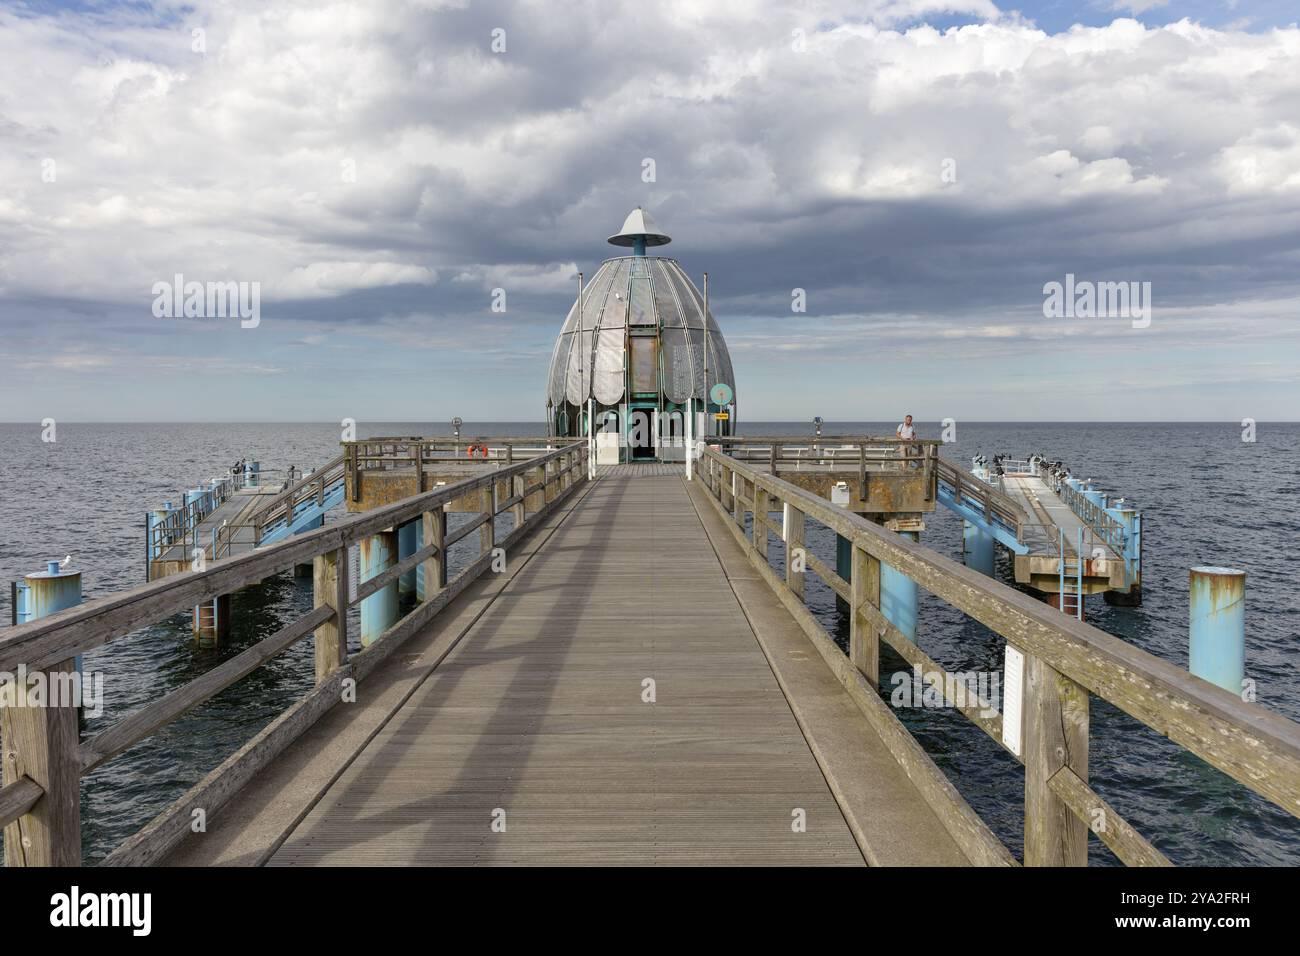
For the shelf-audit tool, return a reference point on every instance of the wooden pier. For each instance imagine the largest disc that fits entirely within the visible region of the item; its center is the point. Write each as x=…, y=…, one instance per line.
x=636, y=684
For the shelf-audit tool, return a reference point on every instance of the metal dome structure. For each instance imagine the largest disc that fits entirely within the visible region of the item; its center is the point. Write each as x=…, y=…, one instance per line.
x=637, y=350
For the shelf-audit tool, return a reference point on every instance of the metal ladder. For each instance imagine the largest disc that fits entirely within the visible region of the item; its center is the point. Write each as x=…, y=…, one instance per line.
x=1076, y=572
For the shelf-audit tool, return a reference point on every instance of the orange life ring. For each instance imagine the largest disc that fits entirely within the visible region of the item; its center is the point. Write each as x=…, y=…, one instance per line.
x=477, y=447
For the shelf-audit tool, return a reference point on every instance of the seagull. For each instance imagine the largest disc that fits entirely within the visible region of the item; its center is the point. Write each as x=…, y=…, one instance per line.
x=67, y=559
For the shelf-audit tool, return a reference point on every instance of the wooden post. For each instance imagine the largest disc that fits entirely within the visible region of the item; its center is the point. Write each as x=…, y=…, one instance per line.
x=41, y=742
x=354, y=472
x=737, y=504
x=759, y=526
x=1056, y=736
x=486, y=531
x=728, y=496
x=518, y=484
x=793, y=546
x=864, y=642
x=435, y=566
x=417, y=452
x=330, y=586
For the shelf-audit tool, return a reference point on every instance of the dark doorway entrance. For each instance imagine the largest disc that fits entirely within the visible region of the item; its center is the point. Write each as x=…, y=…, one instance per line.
x=641, y=436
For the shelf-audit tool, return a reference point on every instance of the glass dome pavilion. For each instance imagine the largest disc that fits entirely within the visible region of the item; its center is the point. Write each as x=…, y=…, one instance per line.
x=637, y=355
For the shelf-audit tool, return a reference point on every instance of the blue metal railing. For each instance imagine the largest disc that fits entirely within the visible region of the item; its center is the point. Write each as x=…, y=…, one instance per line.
x=1094, y=515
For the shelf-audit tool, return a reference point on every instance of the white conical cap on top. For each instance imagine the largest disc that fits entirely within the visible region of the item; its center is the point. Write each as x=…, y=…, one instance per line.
x=639, y=225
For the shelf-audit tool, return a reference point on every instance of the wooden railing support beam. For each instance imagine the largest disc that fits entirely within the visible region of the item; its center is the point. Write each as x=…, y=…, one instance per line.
x=864, y=641
x=41, y=742
x=330, y=587
x=1056, y=736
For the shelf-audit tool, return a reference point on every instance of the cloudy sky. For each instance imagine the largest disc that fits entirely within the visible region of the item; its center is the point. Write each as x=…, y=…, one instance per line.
x=921, y=168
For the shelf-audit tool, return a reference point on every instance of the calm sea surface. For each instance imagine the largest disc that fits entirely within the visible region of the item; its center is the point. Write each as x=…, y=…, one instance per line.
x=1207, y=497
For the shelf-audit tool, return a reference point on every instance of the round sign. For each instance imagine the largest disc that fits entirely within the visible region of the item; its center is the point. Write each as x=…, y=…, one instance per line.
x=721, y=394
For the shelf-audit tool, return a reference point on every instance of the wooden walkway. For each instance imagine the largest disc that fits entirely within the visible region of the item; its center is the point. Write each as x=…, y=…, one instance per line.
x=537, y=718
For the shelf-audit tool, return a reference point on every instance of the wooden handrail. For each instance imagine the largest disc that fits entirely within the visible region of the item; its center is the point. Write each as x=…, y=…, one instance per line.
x=89, y=625
x=51, y=642
x=1258, y=748
x=135, y=727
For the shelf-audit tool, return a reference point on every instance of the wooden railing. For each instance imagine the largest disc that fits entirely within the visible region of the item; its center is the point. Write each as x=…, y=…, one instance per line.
x=1093, y=515
x=838, y=453
x=997, y=505
x=369, y=454
x=44, y=759
x=283, y=505
x=178, y=525
x=1064, y=661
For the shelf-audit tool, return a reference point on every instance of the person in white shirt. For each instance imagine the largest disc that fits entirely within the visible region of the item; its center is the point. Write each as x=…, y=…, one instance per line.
x=907, y=432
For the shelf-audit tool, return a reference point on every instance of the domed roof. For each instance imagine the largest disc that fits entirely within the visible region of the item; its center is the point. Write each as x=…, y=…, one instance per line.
x=631, y=293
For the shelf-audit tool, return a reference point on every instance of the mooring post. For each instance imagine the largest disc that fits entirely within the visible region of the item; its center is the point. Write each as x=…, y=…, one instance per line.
x=1217, y=626
x=1055, y=737
x=330, y=586
x=378, y=611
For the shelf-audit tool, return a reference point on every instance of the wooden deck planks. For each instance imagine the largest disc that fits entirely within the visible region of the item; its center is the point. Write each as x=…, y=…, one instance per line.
x=539, y=712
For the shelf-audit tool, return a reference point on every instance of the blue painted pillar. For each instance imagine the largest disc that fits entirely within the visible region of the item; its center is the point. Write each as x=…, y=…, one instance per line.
x=978, y=549
x=379, y=611
x=251, y=474
x=1217, y=626
x=406, y=546
x=898, y=595
x=46, y=592
x=1131, y=519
